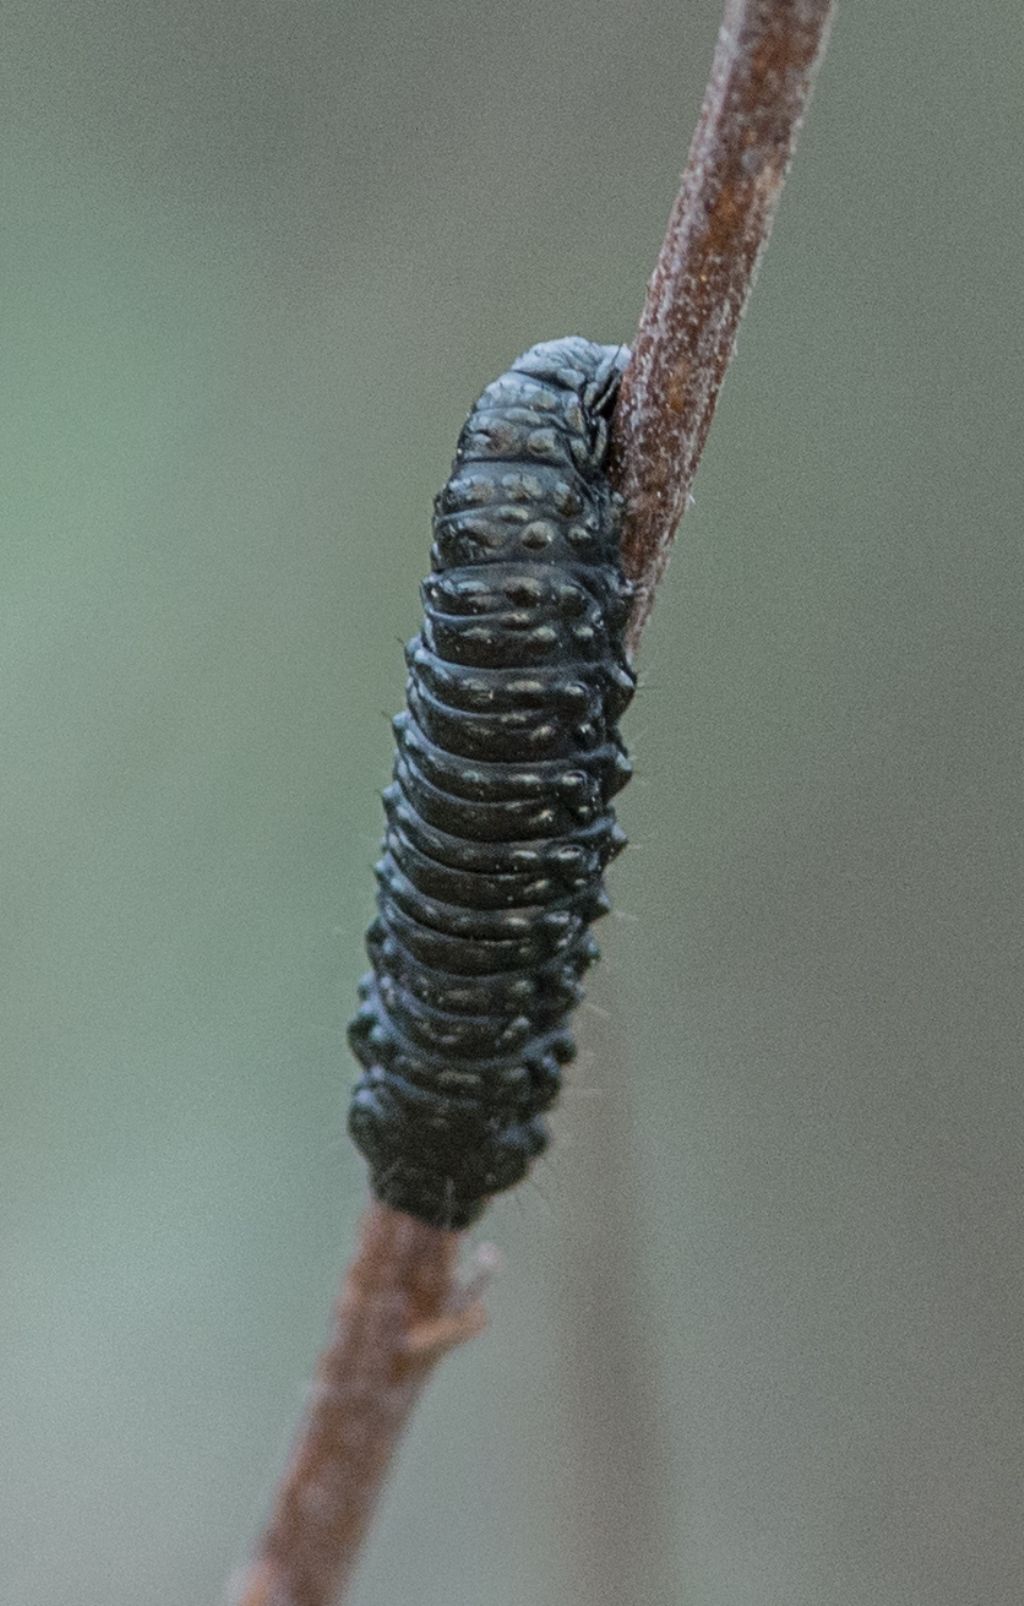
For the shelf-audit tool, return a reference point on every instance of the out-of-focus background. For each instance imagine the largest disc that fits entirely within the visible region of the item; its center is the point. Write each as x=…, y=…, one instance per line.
x=757, y=1338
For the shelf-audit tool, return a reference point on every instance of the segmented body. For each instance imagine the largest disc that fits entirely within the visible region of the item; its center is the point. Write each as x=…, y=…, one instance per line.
x=499, y=824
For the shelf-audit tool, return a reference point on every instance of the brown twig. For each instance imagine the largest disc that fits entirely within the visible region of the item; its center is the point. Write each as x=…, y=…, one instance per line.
x=400, y=1308
x=761, y=76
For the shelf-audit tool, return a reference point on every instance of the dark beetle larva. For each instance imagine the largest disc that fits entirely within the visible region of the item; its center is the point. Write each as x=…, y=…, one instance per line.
x=499, y=822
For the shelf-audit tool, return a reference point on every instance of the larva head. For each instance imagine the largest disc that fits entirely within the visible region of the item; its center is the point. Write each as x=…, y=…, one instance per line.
x=591, y=372
x=528, y=482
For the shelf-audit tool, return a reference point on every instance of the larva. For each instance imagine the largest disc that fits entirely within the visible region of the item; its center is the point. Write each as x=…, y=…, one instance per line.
x=499, y=817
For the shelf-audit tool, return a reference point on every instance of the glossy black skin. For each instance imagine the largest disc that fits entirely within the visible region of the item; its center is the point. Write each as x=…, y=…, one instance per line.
x=499, y=823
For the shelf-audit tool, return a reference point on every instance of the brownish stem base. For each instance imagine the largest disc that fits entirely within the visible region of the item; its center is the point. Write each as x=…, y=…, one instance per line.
x=399, y=1310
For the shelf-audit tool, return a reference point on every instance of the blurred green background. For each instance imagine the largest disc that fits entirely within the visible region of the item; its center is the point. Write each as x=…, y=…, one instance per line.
x=757, y=1338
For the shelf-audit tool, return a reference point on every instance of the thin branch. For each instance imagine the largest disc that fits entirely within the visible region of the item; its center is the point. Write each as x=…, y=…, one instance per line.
x=400, y=1307
x=761, y=76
